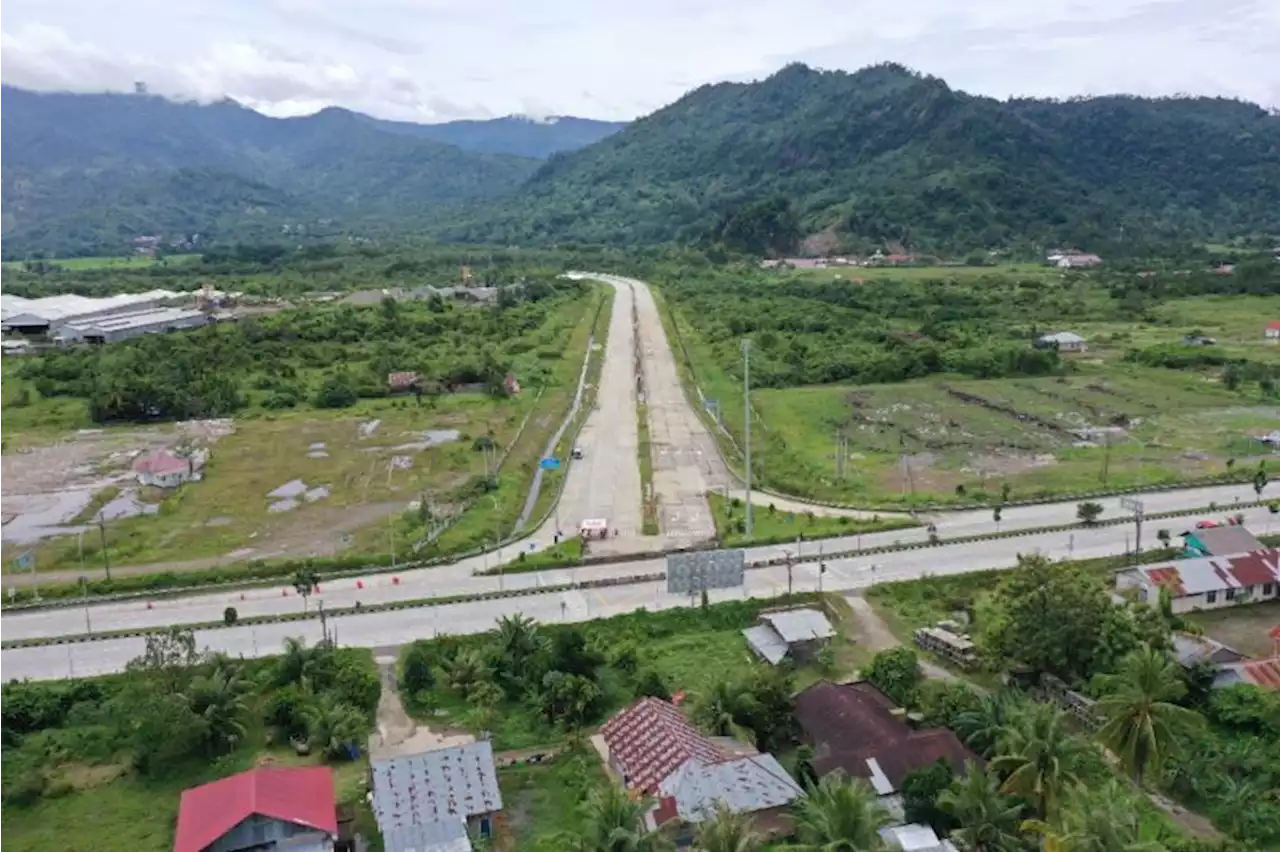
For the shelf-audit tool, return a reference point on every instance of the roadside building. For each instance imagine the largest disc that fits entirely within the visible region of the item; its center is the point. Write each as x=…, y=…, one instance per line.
x=795, y=634
x=855, y=729
x=1219, y=541
x=263, y=810
x=437, y=800
x=655, y=751
x=1063, y=341
x=1207, y=582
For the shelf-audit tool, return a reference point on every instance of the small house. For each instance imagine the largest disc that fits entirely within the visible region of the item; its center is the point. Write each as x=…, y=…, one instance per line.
x=403, y=381
x=164, y=470
x=1199, y=340
x=1272, y=332
x=265, y=809
x=1219, y=541
x=795, y=633
x=1063, y=341
x=1077, y=260
x=1207, y=582
x=436, y=799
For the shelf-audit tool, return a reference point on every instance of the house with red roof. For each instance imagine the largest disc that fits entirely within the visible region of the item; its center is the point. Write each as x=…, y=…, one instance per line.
x=655, y=751
x=856, y=729
x=163, y=469
x=1272, y=332
x=1208, y=582
x=265, y=809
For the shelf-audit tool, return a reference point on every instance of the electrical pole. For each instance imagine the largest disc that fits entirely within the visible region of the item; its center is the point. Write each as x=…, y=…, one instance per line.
x=102, y=531
x=789, y=565
x=746, y=397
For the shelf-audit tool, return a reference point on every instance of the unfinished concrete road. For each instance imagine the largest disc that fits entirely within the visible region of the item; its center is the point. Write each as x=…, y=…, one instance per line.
x=686, y=462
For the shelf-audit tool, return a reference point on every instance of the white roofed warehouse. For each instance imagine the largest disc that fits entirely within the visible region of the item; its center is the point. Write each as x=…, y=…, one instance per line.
x=41, y=316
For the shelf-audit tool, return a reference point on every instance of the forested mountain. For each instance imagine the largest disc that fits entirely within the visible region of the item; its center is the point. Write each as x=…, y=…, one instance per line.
x=82, y=171
x=886, y=157
x=512, y=134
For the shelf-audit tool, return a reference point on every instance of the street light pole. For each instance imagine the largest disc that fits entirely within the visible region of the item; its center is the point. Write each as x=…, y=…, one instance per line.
x=746, y=397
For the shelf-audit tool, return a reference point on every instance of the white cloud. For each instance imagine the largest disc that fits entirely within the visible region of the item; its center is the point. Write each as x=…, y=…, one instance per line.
x=434, y=60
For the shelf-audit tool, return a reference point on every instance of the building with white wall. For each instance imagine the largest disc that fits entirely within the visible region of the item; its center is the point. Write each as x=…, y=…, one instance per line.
x=1209, y=582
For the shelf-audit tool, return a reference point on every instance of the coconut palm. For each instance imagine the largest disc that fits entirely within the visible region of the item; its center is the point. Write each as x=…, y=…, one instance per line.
x=982, y=727
x=1104, y=820
x=219, y=698
x=719, y=709
x=298, y=661
x=333, y=726
x=727, y=831
x=839, y=815
x=519, y=640
x=465, y=670
x=988, y=819
x=1038, y=757
x=614, y=822
x=1143, y=725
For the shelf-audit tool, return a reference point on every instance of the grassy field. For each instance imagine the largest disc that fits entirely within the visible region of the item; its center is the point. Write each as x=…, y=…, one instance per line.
x=1245, y=628
x=1020, y=271
x=771, y=526
x=369, y=483
x=1235, y=322
x=541, y=801
x=977, y=435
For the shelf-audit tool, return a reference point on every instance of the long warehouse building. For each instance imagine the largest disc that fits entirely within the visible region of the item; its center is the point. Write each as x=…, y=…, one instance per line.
x=45, y=315
x=115, y=327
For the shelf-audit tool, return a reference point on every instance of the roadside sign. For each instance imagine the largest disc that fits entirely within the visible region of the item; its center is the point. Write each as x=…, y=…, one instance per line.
x=549, y=464
x=24, y=561
x=1132, y=504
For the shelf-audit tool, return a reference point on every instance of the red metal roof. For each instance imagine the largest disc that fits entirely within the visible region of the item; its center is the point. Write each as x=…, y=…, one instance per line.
x=1217, y=573
x=298, y=794
x=161, y=463
x=1265, y=673
x=651, y=739
x=1275, y=325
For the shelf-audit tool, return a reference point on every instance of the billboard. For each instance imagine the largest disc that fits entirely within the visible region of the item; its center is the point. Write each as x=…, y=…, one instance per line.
x=688, y=573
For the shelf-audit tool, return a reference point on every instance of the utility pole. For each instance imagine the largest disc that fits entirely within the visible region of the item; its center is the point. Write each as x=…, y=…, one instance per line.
x=102, y=532
x=1106, y=455
x=391, y=539
x=746, y=397
x=789, y=566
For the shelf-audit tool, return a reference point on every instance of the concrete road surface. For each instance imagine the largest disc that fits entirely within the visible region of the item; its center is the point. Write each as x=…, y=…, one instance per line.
x=393, y=628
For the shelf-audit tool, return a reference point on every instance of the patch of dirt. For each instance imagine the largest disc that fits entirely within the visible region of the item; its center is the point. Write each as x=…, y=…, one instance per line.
x=1008, y=464
x=83, y=777
x=397, y=734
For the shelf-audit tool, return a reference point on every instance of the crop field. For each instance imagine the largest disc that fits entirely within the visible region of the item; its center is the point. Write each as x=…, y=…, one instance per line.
x=925, y=439
x=1020, y=271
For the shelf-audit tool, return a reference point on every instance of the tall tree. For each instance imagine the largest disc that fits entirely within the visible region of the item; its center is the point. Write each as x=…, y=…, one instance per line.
x=982, y=727
x=220, y=699
x=614, y=822
x=988, y=820
x=1103, y=820
x=1039, y=757
x=1143, y=722
x=839, y=815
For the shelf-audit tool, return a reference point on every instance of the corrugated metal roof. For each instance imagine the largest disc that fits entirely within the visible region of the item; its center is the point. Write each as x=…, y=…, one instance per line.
x=651, y=739
x=1062, y=337
x=302, y=795
x=744, y=785
x=1196, y=649
x=1222, y=541
x=914, y=838
x=446, y=784
x=445, y=836
x=1215, y=573
x=800, y=625
x=766, y=642
x=68, y=305
x=1263, y=673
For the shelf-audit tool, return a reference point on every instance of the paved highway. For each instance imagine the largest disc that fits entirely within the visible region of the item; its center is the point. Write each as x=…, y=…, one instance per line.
x=393, y=628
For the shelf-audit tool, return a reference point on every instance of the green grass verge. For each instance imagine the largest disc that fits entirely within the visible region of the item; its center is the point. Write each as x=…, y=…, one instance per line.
x=644, y=452
x=771, y=526
x=541, y=801
x=563, y=555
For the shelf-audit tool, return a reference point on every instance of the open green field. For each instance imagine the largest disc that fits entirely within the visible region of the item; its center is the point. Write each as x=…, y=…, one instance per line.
x=227, y=516
x=541, y=801
x=923, y=440
x=1235, y=322
x=136, y=261
x=771, y=526
x=855, y=274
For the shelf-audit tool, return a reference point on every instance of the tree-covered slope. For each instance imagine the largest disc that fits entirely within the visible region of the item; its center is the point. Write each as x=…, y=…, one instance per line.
x=512, y=134
x=885, y=156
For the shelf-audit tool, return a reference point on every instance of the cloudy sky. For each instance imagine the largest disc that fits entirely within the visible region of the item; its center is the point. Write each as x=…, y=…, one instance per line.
x=436, y=60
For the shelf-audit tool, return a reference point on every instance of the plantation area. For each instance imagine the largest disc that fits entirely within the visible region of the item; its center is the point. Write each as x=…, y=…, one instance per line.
x=905, y=389
x=308, y=391
x=1215, y=750
x=98, y=765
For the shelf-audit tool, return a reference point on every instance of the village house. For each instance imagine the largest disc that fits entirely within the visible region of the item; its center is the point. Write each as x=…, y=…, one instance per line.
x=797, y=634
x=437, y=800
x=655, y=751
x=1206, y=582
x=1229, y=665
x=1063, y=341
x=265, y=809
x=1073, y=260
x=163, y=469
x=1219, y=541
x=855, y=729
x=1272, y=332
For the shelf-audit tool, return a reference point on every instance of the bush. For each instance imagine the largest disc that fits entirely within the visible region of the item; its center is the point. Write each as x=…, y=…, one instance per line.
x=230, y=616
x=896, y=673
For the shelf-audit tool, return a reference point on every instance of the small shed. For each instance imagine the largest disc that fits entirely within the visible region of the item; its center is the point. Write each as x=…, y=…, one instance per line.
x=1063, y=341
x=164, y=470
x=794, y=633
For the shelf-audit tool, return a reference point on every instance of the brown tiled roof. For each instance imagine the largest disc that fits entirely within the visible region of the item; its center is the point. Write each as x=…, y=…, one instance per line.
x=651, y=739
x=1264, y=673
x=850, y=724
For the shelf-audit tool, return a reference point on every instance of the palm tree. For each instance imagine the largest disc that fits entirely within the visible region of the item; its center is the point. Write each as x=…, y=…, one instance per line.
x=332, y=726
x=219, y=699
x=988, y=820
x=1102, y=821
x=839, y=815
x=1143, y=725
x=727, y=831
x=297, y=661
x=982, y=727
x=1038, y=756
x=614, y=822
x=806, y=775
x=465, y=670
x=719, y=709
x=519, y=639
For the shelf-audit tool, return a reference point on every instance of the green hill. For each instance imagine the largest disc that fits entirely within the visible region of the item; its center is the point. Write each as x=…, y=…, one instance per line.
x=888, y=157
